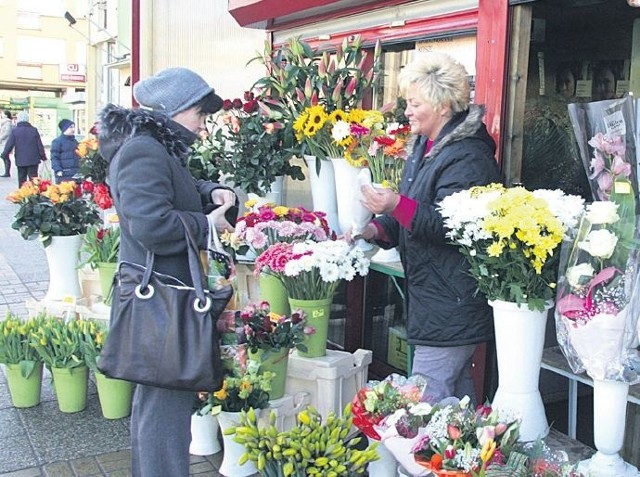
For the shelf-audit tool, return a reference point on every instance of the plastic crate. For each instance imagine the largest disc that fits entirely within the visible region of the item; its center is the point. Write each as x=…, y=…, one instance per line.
x=286, y=409
x=331, y=381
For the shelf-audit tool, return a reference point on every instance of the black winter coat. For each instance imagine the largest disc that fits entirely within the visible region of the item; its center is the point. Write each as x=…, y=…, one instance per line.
x=26, y=141
x=441, y=304
x=64, y=157
x=150, y=183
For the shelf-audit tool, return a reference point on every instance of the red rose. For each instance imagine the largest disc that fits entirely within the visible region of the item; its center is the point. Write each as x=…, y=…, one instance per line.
x=237, y=103
x=250, y=106
x=227, y=105
x=87, y=186
x=248, y=96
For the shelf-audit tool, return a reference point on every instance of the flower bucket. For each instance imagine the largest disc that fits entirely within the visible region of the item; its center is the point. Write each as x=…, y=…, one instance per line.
x=25, y=392
x=204, y=435
x=71, y=388
x=62, y=258
x=318, y=313
x=273, y=291
x=115, y=396
x=519, y=345
x=609, y=419
x=106, y=271
x=323, y=190
x=351, y=213
x=277, y=362
x=232, y=450
x=272, y=196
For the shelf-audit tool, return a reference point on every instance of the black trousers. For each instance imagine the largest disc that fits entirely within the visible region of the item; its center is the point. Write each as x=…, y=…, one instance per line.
x=26, y=172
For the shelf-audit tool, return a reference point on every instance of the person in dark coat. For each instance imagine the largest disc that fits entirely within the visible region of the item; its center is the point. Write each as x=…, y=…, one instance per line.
x=65, y=161
x=27, y=147
x=452, y=151
x=151, y=186
x=6, y=126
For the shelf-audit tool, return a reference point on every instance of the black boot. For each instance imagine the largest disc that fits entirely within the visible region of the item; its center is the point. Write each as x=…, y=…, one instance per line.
x=7, y=168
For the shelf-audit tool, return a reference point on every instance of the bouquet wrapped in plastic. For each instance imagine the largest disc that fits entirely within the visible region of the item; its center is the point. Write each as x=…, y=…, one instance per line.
x=595, y=318
x=378, y=399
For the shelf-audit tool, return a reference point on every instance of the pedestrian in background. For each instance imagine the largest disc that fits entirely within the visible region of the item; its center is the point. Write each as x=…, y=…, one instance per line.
x=152, y=188
x=6, y=126
x=27, y=147
x=65, y=161
x=452, y=151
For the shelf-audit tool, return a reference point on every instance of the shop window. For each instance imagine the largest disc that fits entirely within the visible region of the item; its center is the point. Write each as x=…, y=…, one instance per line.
x=563, y=53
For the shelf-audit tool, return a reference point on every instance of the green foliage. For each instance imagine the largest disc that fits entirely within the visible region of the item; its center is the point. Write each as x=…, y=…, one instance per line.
x=60, y=344
x=14, y=342
x=100, y=246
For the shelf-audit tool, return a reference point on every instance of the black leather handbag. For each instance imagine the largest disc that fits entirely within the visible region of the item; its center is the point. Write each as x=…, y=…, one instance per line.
x=162, y=332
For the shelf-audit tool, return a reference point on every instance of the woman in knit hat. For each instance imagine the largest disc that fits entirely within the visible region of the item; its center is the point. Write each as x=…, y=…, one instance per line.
x=65, y=161
x=147, y=151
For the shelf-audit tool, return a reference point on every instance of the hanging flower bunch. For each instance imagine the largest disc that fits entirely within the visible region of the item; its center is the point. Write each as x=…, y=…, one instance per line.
x=378, y=399
x=312, y=270
x=269, y=224
x=510, y=236
x=48, y=210
x=594, y=309
x=269, y=331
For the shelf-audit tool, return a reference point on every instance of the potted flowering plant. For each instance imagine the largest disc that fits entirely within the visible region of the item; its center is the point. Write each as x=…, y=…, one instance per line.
x=509, y=237
x=311, y=272
x=22, y=364
x=310, y=444
x=60, y=346
x=269, y=338
x=49, y=210
x=100, y=247
x=253, y=155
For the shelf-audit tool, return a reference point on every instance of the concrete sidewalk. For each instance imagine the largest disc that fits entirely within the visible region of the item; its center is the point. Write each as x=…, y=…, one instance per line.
x=42, y=441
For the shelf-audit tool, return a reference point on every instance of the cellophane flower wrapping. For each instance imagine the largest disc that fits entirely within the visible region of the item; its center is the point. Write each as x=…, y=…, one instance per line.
x=605, y=132
x=597, y=298
x=449, y=435
x=379, y=399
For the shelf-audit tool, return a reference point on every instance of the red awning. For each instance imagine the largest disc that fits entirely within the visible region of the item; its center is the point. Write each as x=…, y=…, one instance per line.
x=258, y=12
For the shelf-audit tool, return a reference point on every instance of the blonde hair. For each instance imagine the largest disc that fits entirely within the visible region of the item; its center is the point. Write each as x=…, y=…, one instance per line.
x=440, y=79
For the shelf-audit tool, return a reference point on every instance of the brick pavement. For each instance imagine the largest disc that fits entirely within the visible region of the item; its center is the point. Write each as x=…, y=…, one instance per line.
x=42, y=441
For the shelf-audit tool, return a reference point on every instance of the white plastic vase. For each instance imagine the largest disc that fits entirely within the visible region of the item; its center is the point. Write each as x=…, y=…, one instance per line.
x=389, y=255
x=62, y=258
x=609, y=417
x=232, y=450
x=274, y=196
x=323, y=190
x=351, y=213
x=204, y=435
x=519, y=345
x=386, y=466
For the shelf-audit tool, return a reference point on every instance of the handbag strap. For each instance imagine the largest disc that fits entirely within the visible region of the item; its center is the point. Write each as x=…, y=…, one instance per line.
x=194, y=264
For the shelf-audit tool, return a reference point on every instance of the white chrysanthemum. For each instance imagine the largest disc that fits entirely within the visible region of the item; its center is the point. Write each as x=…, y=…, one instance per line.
x=340, y=131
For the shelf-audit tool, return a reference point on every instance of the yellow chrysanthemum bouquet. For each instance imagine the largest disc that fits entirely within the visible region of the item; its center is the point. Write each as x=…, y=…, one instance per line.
x=510, y=236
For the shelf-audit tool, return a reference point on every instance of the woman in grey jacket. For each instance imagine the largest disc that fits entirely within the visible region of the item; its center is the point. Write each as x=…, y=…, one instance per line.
x=151, y=187
x=5, y=131
x=446, y=319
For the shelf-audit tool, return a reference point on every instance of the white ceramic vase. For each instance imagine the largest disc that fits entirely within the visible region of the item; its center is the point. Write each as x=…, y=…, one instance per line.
x=386, y=466
x=204, y=435
x=232, y=450
x=609, y=418
x=62, y=258
x=519, y=345
x=323, y=189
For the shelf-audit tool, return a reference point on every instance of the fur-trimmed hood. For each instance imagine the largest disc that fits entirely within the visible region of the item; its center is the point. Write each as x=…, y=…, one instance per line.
x=118, y=124
x=469, y=126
